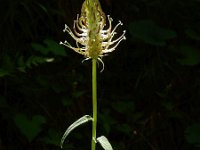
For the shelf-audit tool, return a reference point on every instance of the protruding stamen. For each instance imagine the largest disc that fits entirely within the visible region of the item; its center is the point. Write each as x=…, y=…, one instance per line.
x=122, y=36
x=99, y=59
x=120, y=23
x=78, y=50
x=114, y=47
x=109, y=28
x=103, y=37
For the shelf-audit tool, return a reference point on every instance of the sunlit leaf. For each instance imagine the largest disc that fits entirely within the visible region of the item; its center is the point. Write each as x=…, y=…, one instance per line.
x=77, y=123
x=104, y=143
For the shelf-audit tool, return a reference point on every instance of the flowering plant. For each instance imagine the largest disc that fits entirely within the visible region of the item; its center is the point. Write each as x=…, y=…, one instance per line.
x=92, y=41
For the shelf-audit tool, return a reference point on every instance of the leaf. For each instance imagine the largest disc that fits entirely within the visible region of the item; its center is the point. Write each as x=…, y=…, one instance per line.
x=55, y=48
x=49, y=47
x=192, y=34
x=42, y=7
x=4, y=72
x=3, y=103
x=77, y=123
x=53, y=138
x=104, y=143
x=192, y=134
x=124, y=128
x=191, y=56
x=21, y=64
x=77, y=94
x=6, y=66
x=67, y=102
x=107, y=120
x=31, y=61
x=123, y=107
x=29, y=127
x=35, y=60
x=149, y=32
x=40, y=48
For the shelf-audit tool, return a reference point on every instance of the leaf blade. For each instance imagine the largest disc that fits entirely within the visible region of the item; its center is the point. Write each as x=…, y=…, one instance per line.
x=104, y=143
x=74, y=125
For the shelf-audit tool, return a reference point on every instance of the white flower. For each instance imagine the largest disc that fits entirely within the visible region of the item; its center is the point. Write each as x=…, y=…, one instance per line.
x=93, y=42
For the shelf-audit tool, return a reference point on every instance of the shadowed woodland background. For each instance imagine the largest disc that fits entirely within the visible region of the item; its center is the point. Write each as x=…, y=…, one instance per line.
x=148, y=94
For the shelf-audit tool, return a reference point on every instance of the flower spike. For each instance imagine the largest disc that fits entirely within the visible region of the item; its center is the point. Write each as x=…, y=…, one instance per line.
x=92, y=40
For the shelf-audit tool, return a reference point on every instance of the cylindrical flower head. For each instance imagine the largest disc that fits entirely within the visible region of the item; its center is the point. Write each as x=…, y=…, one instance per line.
x=92, y=40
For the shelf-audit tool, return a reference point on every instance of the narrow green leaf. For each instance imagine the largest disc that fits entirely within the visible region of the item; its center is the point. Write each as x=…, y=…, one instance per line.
x=104, y=143
x=74, y=125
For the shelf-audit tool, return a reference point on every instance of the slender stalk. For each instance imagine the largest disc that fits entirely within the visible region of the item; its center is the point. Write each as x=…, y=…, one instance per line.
x=94, y=103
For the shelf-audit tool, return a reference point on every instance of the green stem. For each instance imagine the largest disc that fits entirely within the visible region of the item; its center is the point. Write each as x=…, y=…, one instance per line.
x=94, y=103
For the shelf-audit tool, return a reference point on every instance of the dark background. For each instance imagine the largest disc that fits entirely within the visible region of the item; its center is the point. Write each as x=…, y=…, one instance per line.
x=148, y=93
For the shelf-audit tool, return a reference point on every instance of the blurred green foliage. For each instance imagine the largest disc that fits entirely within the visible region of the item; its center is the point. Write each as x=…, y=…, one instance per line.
x=148, y=94
x=192, y=134
x=29, y=127
x=151, y=33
